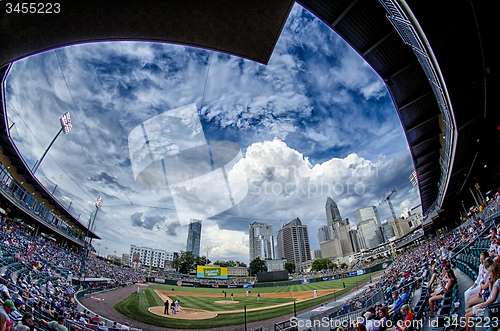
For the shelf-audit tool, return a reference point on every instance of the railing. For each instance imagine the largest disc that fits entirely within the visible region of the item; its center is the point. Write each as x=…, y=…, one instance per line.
x=490, y=211
x=282, y=326
x=40, y=218
x=488, y=226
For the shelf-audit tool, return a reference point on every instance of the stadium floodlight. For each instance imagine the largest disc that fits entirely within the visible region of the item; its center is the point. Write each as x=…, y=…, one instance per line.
x=66, y=123
x=66, y=126
x=414, y=178
x=98, y=204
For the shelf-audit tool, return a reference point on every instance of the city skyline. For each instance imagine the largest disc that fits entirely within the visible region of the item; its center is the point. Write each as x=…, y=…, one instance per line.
x=315, y=122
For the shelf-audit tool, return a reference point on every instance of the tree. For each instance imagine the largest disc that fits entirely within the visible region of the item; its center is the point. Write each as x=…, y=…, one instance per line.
x=322, y=264
x=290, y=267
x=256, y=266
x=343, y=265
x=202, y=260
x=220, y=263
x=185, y=262
x=229, y=263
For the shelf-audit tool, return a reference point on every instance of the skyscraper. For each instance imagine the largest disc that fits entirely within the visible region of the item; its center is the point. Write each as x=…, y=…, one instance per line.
x=387, y=230
x=194, y=237
x=340, y=241
x=400, y=227
x=332, y=211
x=339, y=229
x=261, y=241
x=293, y=242
x=324, y=234
x=369, y=227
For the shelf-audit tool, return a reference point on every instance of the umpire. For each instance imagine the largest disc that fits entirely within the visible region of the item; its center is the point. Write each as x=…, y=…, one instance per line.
x=166, y=307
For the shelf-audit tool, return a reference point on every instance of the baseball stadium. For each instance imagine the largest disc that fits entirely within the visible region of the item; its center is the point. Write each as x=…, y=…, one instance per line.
x=126, y=124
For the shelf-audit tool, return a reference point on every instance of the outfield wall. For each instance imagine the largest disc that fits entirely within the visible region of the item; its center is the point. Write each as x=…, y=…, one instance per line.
x=377, y=267
x=194, y=284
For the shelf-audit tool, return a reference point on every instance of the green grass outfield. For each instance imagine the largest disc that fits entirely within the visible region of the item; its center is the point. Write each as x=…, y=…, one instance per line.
x=136, y=305
x=207, y=303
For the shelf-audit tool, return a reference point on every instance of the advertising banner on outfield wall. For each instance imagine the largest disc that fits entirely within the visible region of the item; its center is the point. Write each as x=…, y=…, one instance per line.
x=211, y=272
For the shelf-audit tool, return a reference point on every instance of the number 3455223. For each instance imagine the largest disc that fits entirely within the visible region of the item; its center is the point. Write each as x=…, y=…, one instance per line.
x=33, y=8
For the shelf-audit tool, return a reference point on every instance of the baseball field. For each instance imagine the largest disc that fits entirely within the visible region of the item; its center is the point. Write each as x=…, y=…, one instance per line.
x=201, y=308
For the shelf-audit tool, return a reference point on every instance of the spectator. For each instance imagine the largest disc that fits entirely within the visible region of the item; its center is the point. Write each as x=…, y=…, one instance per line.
x=409, y=314
x=4, y=322
x=478, y=310
x=438, y=294
x=82, y=319
x=381, y=324
x=12, y=314
x=26, y=324
x=102, y=326
x=56, y=325
x=404, y=294
x=397, y=303
x=481, y=277
x=484, y=289
x=369, y=321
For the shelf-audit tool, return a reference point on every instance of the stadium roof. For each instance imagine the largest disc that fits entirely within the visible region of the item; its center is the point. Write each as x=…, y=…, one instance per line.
x=435, y=57
x=12, y=153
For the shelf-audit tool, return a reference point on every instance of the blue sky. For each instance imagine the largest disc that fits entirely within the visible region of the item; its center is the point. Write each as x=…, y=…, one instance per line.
x=316, y=121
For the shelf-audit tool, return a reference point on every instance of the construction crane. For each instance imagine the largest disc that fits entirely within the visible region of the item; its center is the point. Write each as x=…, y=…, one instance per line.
x=387, y=198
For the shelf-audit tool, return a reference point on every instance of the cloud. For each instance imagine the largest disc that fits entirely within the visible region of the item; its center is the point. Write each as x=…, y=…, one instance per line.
x=136, y=219
x=172, y=229
x=225, y=244
x=148, y=222
x=284, y=184
x=105, y=179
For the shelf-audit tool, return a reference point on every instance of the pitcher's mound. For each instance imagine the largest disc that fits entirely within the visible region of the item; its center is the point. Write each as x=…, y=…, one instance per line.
x=226, y=302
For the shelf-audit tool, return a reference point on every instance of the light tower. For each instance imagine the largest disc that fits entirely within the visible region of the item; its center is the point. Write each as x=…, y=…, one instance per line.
x=66, y=127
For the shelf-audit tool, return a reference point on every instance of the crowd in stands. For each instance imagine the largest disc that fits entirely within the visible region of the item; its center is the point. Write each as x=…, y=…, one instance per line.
x=332, y=272
x=428, y=267
x=37, y=288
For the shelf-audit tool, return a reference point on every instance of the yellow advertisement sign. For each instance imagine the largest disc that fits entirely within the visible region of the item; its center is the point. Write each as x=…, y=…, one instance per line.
x=211, y=272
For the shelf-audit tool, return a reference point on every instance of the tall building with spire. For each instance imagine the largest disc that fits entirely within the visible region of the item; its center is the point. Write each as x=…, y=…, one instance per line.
x=332, y=211
x=341, y=242
x=261, y=241
x=194, y=237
